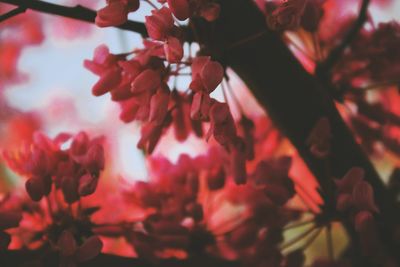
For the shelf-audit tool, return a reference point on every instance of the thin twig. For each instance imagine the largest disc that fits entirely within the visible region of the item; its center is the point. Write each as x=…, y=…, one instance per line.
x=311, y=239
x=298, y=238
x=12, y=13
x=77, y=12
x=299, y=224
x=337, y=52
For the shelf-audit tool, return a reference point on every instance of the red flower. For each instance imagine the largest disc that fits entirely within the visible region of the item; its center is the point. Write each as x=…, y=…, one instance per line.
x=180, y=8
x=116, y=12
x=201, y=104
x=206, y=74
x=173, y=50
x=160, y=24
x=222, y=125
x=159, y=105
x=147, y=81
x=108, y=81
x=287, y=16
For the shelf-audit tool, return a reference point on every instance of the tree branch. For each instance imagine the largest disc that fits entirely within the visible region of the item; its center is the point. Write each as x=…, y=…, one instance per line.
x=12, y=13
x=78, y=12
x=337, y=52
x=296, y=100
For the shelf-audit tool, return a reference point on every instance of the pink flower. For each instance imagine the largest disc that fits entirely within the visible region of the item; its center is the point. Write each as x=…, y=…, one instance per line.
x=159, y=105
x=150, y=135
x=201, y=104
x=206, y=74
x=159, y=24
x=107, y=82
x=115, y=13
x=147, y=81
x=173, y=50
x=222, y=125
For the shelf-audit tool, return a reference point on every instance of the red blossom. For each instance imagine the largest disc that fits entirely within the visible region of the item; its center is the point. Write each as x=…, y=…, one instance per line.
x=173, y=50
x=206, y=74
x=116, y=12
x=222, y=125
x=180, y=8
x=160, y=24
x=147, y=81
x=46, y=163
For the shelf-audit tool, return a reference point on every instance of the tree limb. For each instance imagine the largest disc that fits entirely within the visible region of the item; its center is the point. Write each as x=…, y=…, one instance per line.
x=296, y=100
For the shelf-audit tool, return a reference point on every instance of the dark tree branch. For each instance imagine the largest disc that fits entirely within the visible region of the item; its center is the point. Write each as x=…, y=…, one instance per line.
x=78, y=12
x=337, y=52
x=12, y=13
x=296, y=100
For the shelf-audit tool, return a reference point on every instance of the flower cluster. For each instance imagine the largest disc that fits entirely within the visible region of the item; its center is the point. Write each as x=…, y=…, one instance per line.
x=116, y=11
x=291, y=14
x=376, y=120
x=62, y=226
x=363, y=61
x=75, y=171
x=193, y=206
x=140, y=85
x=354, y=195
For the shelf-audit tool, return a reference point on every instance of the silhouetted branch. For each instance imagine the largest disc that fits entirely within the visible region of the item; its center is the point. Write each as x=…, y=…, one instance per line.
x=12, y=13
x=76, y=12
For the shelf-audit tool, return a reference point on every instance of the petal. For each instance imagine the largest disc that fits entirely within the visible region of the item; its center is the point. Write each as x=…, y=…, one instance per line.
x=149, y=80
x=212, y=75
